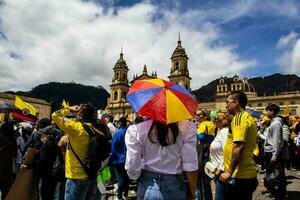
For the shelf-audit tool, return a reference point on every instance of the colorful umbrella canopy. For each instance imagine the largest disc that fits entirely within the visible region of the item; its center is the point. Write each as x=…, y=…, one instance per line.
x=162, y=101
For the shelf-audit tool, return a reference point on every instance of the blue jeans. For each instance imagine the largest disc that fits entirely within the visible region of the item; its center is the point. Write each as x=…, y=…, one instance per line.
x=81, y=189
x=152, y=185
x=220, y=190
x=123, y=180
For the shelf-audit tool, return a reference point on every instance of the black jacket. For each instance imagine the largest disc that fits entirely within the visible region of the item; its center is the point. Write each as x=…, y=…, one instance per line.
x=46, y=158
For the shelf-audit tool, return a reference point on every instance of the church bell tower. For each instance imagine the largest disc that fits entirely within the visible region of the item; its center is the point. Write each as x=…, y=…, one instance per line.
x=117, y=104
x=179, y=67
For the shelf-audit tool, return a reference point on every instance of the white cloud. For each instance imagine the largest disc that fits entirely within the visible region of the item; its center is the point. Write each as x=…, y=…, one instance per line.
x=227, y=11
x=77, y=41
x=290, y=58
x=287, y=41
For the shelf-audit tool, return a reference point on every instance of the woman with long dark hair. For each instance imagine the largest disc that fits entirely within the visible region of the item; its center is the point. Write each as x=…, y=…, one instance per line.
x=158, y=155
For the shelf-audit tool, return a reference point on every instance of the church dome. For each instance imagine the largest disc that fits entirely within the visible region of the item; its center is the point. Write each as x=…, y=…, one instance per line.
x=179, y=51
x=121, y=63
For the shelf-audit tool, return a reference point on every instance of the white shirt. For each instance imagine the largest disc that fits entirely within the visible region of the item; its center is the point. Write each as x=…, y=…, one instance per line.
x=171, y=159
x=112, y=128
x=217, y=149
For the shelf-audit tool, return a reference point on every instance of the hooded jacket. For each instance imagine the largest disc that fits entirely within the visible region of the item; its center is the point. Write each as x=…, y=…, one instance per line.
x=274, y=140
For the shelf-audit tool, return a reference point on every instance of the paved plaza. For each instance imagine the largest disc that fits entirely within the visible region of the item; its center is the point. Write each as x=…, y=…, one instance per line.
x=293, y=187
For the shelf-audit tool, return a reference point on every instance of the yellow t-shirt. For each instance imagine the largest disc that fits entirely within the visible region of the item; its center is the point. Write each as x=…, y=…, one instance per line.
x=79, y=139
x=208, y=126
x=243, y=129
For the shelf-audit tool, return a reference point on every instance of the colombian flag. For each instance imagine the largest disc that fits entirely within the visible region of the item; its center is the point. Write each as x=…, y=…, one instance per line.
x=24, y=111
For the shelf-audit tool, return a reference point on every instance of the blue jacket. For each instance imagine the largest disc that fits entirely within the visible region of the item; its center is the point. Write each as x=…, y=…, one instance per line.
x=118, y=147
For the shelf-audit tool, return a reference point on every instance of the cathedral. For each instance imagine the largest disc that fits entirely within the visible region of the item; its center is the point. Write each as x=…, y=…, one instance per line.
x=118, y=106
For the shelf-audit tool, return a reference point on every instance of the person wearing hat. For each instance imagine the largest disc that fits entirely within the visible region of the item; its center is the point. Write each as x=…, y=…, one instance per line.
x=34, y=139
x=44, y=164
x=205, y=136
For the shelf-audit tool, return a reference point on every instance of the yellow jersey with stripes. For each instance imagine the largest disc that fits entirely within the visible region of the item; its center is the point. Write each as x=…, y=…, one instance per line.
x=243, y=129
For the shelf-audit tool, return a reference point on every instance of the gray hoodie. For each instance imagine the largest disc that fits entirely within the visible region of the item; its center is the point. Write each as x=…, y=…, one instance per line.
x=274, y=139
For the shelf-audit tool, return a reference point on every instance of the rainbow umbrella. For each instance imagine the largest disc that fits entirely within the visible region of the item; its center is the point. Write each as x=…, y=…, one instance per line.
x=162, y=101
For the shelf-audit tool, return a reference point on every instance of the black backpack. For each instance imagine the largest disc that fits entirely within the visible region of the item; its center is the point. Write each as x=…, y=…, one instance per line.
x=203, y=153
x=98, y=151
x=58, y=168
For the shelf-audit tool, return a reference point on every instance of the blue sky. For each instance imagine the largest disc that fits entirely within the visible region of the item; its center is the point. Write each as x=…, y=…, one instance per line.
x=76, y=40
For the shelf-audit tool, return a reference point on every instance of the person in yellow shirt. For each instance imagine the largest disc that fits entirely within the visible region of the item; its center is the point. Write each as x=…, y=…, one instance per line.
x=240, y=172
x=206, y=128
x=78, y=184
x=205, y=135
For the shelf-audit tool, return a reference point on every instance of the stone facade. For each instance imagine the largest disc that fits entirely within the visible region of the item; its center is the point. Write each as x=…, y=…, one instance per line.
x=117, y=104
x=283, y=99
x=42, y=107
x=290, y=100
x=226, y=85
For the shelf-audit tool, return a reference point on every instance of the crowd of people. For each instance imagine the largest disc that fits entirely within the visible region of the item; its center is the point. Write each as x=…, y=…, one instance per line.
x=168, y=161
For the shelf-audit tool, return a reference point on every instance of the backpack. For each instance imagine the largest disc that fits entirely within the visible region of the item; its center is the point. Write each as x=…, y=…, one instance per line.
x=58, y=168
x=99, y=150
x=203, y=153
x=275, y=182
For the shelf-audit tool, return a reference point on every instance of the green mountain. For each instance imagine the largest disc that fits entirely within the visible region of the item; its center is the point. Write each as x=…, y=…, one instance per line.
x=54, y=92
x=74, y=93
x=268, y=85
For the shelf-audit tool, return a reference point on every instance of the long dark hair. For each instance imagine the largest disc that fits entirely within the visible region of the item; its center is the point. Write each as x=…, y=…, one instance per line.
x=161, y=134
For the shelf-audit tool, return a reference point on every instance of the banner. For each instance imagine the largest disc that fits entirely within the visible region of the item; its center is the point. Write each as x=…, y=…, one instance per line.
x=24, y=111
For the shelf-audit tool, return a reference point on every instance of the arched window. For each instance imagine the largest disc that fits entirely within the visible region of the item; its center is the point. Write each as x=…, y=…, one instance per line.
x=115, y=95
x=224, y=89
x=117, y=75
x=177, y=65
